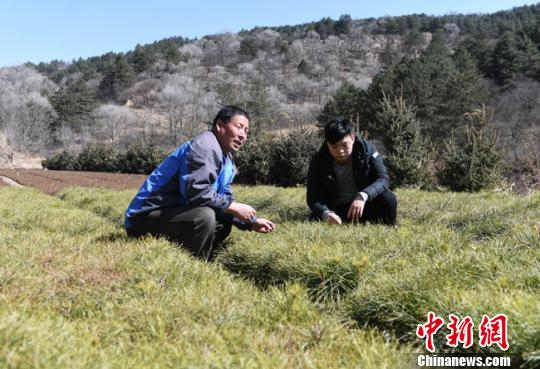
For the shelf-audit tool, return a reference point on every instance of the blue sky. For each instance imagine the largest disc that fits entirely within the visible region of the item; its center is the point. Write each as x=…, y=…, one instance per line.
x=38, y=30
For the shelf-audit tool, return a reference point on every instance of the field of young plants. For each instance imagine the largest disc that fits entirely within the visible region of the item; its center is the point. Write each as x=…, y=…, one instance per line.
x=75, y=292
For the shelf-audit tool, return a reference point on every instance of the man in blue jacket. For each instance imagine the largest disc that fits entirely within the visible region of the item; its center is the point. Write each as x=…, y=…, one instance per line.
x=188, y=197
x=347, y=180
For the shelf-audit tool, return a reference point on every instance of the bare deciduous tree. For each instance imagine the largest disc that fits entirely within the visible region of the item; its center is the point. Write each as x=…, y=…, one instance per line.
x=112, y=122
x=187, y=106
x=146, y=123
x=25, y=115
x=516, y=116
x=191, y=51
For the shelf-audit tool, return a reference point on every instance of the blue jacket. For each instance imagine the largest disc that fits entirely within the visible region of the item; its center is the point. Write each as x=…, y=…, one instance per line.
x=197, y=173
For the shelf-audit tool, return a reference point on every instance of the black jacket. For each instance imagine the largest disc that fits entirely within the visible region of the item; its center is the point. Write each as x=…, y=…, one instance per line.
x=370, y=176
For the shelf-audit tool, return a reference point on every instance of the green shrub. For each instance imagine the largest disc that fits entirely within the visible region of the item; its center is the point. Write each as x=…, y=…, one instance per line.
x=291, y=156
x=139, y=159
x=98, y=158
x=64, y=160
x=474, y=162
x=283, y=162
x=254, y=159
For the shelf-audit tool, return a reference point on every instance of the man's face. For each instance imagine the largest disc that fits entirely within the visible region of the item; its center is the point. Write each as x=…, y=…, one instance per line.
x=342, y=149
x=232, y=135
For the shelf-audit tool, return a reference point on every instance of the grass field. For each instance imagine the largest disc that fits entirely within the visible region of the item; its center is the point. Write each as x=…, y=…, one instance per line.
x=76, y=293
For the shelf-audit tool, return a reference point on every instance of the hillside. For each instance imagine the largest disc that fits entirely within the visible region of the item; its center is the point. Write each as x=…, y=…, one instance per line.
x=166, y=91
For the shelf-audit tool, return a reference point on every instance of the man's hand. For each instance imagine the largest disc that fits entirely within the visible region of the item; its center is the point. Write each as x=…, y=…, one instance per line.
x=262, y=225
x=333, y=218
x=356, y=209
x=243, y=212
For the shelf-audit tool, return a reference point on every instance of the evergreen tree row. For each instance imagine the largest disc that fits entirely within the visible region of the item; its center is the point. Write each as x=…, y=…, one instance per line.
x=442, y=86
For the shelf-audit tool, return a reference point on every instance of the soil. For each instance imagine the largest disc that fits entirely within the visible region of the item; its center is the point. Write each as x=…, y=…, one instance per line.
x=53, y=181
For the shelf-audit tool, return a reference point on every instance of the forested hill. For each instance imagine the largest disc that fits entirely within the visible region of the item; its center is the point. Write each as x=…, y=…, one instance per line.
x=161, y=92
x=478, y=34
x=479, y=31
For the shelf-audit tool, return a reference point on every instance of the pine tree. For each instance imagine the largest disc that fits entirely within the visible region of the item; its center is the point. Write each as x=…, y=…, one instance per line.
x=514, y=55
x=343, y=25
x=260, y=109
x=434, y=83
x=436, y=69
x=505, y=60
x=74, y=105
x=325, y=27
x=171, y=53
x=414, y=39
x=529, y=58
x=141, y=59
x=304, y=68
x=408, y=155
x=347, y=102
x=229, y=93
x=118, y=77
x=463, y=89
x=480, y=50
x=472, y=162
x=248, y=46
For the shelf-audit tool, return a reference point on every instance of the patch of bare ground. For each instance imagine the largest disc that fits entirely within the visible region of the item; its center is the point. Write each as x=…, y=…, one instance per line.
x=27, y=161
x=53, y=181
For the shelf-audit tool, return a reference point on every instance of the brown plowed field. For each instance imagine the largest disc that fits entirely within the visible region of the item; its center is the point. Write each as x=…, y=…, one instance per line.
x=53, y=181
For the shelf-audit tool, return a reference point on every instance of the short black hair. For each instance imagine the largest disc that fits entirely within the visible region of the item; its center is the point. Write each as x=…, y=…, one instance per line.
x=228, y=112
x=336, y=129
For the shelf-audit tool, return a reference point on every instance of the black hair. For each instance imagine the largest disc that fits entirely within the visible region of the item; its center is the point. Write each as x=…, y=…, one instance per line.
x=336, y=129
x=228, y=112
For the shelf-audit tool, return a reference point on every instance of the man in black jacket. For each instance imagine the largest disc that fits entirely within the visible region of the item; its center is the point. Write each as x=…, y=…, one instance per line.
x=347, y=180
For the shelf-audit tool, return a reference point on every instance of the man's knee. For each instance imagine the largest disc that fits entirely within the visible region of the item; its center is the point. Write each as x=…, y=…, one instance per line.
x=385, y=208
x=204, y=219
x=389, y=199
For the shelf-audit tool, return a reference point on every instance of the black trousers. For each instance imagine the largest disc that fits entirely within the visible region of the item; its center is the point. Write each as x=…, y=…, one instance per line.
x=196, y=229
x=382, y=209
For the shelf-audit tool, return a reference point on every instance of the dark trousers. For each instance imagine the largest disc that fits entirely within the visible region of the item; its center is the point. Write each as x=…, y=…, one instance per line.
x=382, y=209
x=196, y=229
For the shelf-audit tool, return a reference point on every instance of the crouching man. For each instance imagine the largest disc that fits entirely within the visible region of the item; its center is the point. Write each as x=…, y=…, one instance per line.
x=188, y=197
x=347, y=180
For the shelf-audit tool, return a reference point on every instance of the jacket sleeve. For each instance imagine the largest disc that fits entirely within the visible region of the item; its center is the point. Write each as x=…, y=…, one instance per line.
x=377, y=171
x=203, y=165
x=244, y=226
x=315, y=193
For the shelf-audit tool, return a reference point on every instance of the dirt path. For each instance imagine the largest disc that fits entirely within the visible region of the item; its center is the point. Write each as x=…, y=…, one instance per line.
x=53, y=181
x=5, y=181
